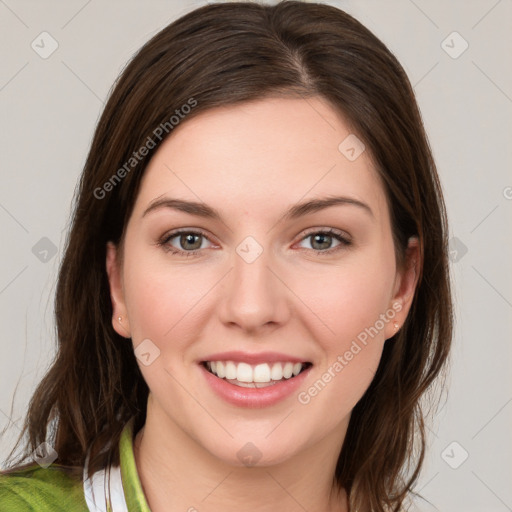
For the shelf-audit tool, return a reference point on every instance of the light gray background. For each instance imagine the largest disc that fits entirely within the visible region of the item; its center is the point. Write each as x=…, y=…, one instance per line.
x=50, y=108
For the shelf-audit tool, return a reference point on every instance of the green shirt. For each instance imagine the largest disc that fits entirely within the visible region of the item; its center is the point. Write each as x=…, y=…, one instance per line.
x=52, y=489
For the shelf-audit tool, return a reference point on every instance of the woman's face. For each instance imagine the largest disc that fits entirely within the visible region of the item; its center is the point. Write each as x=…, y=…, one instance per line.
x=266, y=278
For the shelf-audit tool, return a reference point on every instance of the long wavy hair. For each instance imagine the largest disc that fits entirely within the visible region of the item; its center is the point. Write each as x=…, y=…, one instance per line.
x=227, y=54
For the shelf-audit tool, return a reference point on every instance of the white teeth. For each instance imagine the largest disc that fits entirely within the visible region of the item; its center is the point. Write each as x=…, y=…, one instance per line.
x=252, y=384
x=220, y=370
x=244, y=373
x=288, y=370
x=260, y=373
x=277, y=371
x=230, y=370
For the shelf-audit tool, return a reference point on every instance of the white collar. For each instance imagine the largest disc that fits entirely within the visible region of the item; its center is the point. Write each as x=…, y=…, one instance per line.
x=94, y=490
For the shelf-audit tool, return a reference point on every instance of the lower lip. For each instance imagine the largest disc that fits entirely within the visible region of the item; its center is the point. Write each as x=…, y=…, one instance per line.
x=254, y=397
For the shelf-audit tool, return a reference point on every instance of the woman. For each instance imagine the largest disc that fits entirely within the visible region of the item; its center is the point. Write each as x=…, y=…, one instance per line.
x=277, y=362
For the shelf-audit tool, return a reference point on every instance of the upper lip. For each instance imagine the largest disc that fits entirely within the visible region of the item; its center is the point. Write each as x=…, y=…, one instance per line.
x=253, y=358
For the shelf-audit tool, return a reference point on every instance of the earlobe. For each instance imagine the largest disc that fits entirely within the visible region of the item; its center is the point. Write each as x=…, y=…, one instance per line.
x=120, y=321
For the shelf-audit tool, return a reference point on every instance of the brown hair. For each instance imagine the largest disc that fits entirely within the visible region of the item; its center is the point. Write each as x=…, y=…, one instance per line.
x=225, y=54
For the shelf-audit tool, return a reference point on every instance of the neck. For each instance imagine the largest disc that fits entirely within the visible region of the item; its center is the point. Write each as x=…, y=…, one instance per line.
x=178, y=474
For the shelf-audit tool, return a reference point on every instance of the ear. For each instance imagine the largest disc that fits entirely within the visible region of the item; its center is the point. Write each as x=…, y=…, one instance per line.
x=122, y=327
x=406, y=281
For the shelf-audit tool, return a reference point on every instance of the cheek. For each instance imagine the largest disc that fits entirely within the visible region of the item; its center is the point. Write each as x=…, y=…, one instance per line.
x=163, y=304
x=351, y=306
x=160, y=298
x=349, y=298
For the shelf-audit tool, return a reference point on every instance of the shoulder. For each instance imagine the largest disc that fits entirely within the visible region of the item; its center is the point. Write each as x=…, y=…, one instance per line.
x=35, y=488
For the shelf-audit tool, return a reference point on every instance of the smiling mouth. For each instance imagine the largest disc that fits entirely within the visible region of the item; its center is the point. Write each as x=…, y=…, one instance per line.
x=255, y=376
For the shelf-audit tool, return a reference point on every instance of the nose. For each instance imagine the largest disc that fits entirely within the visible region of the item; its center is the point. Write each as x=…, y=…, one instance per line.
x=254, y=298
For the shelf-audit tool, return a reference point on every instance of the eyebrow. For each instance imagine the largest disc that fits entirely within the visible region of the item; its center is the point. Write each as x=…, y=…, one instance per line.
x=296, y=211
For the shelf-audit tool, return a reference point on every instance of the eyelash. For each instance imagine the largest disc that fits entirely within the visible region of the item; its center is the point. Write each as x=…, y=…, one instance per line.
x=164, y=241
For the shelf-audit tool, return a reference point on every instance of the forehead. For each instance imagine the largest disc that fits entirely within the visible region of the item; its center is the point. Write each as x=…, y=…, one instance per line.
x=259, y=154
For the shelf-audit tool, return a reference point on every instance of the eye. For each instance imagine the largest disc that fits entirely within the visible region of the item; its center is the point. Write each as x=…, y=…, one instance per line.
x=184, y=242
x=321, y=240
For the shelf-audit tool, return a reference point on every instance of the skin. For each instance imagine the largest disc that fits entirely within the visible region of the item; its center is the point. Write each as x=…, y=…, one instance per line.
x=252, y=162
